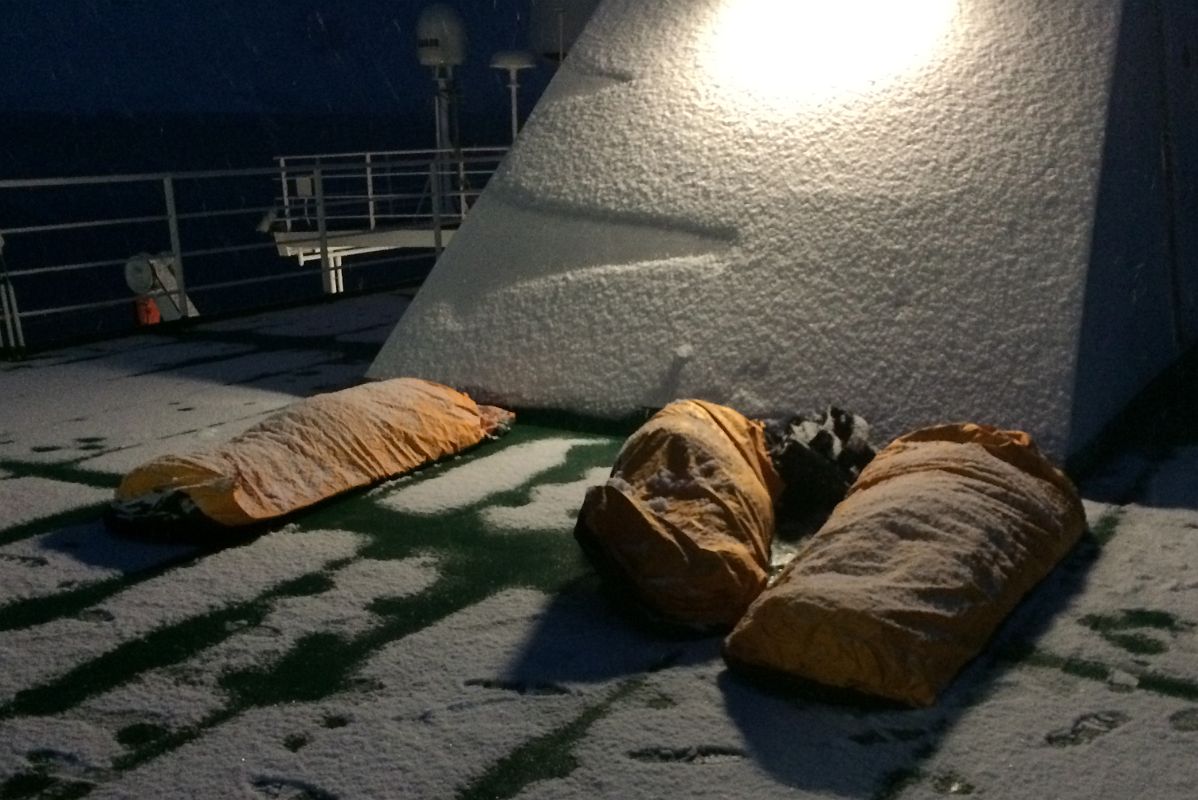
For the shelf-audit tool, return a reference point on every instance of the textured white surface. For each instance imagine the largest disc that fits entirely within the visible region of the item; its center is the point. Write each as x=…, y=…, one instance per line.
x=77, y=556
x=79, y=409
x=42, y=653
x=917, y=250
x=442, y=704
x=342, y=610
x=693, y=731
x=471, y=483
x=450, y=701
x=77, y=748
x=1137, y=745
x=359, y=318
x=551, y=506
x=26, y=499
x=1152, y=563
x=128, y=453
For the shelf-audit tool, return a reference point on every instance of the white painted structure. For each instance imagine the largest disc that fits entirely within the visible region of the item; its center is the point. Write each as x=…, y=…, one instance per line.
x=956, y=209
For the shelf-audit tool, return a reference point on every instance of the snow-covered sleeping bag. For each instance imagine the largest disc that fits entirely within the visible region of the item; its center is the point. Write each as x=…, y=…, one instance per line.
x=686, y=519
x=937, y=541
x=311, y=451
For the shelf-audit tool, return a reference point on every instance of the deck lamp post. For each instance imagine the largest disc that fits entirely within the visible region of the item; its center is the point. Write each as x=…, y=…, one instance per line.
x=513, y=61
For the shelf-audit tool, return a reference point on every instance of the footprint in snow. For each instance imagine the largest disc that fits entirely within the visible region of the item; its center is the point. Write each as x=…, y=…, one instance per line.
x=140, y=734
x=296, y=741
x=1087, y=728
x=289, y=789
x=702, y=754
x=519, y=687
x=27, y=561
x=951, y=783
x=1129, y=629
x=872, y=737
x=1185, y=720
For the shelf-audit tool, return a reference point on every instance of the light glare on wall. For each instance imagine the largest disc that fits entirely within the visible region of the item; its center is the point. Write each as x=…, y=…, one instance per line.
x=802, y=53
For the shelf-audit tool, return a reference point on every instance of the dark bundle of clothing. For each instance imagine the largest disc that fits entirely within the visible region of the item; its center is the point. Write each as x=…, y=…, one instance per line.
x=818, y=456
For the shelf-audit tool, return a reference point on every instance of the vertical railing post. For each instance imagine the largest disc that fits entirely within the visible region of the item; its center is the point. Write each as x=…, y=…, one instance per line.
x=462, y=208
x=7, y=314
x=322, y=229
x=16, y=316
x=172, y=220
x=10, y=315
x=286, y=194
x=5, y=320
x=16, y=333
x=435, y=184
x=370, y=190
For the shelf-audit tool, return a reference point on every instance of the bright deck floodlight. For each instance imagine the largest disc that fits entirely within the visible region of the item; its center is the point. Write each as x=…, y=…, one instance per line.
x=513, y=61
x=807, y=52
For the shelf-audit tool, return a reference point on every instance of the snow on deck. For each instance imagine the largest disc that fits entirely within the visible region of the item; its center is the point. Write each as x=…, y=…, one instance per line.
x=441, y=636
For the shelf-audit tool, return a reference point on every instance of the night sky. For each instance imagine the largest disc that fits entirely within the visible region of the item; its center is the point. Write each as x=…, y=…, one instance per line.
x=236, y=55
x=146, y=61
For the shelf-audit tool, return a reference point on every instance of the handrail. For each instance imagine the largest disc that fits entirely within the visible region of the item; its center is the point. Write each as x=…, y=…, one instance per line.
x=136, y=177
x=132, y=177
x=416, y=152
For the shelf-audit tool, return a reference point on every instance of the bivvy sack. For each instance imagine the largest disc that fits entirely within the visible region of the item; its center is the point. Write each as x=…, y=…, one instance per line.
x=937, y=541
x=686, y=519
x=311, y=451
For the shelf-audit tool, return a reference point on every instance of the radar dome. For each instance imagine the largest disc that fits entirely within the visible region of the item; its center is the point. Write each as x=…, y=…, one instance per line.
x=440, y=36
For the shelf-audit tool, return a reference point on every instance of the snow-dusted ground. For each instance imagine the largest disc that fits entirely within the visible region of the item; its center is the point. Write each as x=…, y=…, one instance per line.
x=440, y=636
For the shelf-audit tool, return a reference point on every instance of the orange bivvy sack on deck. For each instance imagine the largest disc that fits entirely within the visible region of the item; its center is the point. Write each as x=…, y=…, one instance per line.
x=313, y=450
x=935, y=544
x=686, y=519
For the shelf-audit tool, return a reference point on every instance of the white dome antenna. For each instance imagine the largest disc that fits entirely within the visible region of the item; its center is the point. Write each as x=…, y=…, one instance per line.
x=440, y=36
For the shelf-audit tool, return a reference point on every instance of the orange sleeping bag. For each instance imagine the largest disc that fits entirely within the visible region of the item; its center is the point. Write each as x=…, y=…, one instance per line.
x=315, y=449
x=935, y=544
x=686, y=519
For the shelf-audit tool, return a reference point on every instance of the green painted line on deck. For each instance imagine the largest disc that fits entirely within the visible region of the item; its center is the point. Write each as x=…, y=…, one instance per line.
x=64, y=471
x=544, y=757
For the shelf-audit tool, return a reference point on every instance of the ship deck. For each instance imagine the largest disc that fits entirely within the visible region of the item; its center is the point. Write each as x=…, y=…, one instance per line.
x=441, y=636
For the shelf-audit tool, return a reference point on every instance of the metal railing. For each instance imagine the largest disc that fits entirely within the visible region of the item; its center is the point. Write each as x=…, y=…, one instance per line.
x=369, y=190
x=66, y=243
